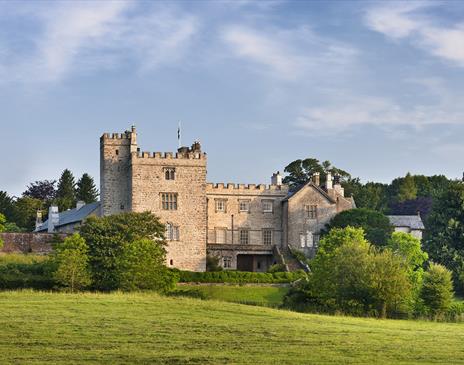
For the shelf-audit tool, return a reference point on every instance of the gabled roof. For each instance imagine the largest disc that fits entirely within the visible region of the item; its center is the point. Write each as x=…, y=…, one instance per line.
x=311, y=184
x=71, y=216
x=411, y=221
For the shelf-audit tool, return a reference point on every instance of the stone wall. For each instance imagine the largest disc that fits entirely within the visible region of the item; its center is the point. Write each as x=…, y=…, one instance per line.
x=27, y=242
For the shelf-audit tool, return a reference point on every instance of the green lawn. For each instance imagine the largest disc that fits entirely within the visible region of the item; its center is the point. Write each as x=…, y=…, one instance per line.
x=265, y=295
x=46, y=328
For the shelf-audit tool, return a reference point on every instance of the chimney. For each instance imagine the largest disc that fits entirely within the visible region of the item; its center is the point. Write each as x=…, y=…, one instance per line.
x=316, y=179
x=276, y=179
x=53, y=218
x=328, y=182
x=80, y=204
x=337, y=186
x=38, y=219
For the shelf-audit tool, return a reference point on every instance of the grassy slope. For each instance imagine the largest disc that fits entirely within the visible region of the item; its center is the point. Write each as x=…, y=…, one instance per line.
x=260, y=295
x=146, y=328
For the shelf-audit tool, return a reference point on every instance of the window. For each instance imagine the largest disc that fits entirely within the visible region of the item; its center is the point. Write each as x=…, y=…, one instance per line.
x=221, y=205
x=244, y=236
x=227, y=262
x=172, y=232
x=302, y=240
x=311, y=211
x=171, y=262
x=117, y=152
x=121, y=207
x=169, y=173
x=268, y=206
x=244, y=205
x=169, y=201
x=220, y=235
x=267, y=236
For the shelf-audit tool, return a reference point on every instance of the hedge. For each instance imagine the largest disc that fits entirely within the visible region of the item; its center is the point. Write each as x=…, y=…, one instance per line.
x=240, y=277
x=20, y=272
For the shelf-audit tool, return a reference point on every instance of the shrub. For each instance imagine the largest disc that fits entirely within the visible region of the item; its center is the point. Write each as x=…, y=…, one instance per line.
x=239, y=277
x=72, y=263
x=437, y=290
x=212, y=263
x=277, y=268
x=26, y=271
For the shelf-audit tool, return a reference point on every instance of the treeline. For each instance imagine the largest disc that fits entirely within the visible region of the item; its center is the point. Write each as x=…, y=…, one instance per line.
x=20, y=212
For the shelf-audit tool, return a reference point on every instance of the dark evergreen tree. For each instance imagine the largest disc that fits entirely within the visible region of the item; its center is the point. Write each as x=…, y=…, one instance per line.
x=86, y=189
x=65, y=195
x=6, y=206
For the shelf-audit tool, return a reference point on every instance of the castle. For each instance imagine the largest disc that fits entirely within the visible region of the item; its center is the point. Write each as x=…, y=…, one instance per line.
x=248, y=227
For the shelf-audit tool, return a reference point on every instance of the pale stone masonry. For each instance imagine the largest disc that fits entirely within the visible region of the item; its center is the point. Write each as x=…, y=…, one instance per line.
x=241, y=224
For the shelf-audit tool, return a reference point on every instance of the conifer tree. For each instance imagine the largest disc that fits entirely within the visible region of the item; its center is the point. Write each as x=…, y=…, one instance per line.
x=408, y=189
x=66, y=196
x=86, y=189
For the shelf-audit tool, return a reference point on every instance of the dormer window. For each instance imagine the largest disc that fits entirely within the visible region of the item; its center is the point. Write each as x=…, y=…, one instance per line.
x=169, y=173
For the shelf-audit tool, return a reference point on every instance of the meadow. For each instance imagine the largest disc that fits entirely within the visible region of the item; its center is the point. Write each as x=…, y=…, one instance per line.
x=144, y=328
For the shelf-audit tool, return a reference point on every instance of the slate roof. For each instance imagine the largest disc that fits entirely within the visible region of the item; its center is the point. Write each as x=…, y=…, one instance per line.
x=72, y=216
x=411, y=221
x=319, y=189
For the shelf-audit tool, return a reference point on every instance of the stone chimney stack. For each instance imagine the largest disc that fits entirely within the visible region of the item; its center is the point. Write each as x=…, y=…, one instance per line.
x=80, y=204
x=316, y=179
x=276, y=179
x=338, y=186
x=38, y=219
x=329, y=182
x=53, y=218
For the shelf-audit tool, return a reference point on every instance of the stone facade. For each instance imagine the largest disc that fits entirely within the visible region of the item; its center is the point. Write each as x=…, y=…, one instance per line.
x=243, y=225
x=39, y=243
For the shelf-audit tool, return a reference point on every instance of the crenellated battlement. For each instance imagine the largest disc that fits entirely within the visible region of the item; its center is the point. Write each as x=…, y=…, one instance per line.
x=250, y=188
x=170, y=155
x=126, y=135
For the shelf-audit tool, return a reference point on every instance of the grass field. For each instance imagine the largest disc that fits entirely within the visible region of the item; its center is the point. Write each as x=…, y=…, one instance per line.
x=47, y=328
x=264, y=295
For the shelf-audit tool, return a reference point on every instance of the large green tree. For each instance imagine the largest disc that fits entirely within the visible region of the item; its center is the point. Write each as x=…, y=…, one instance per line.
x=407, y=189
x=437, y=289
x=65, y=194
x=86, y=190
x=25, y=212
x=376, y=225
x=107, y=238
x=444, y=237
x=6, y=205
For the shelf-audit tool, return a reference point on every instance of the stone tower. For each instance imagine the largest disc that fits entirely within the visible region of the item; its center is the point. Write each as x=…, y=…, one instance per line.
x=115, y=166
x=170, y=185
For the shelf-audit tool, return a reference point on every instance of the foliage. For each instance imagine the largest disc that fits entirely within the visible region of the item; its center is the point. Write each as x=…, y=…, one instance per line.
x=25, y=212
x=445, y=231
x=6, y=205
x=107, y=237
x=407, y=189
x=349, y=275
x=239, y=277
x=65, y=194
x=18, y=271
x=142, y=266
x=277, y=268
x=437, y=289
x=409, y=248
x=13, y=228
x=86, y=190
x=43, y=190
x=371, y=195
x=72, y=263
x=299, y=172
x=212, y=263
x=2, y=227
x=375, y=224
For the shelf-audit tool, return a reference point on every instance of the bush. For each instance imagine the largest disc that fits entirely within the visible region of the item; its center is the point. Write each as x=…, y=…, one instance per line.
x=437, y=290
x=239, y=277
x=212, y=263
x=277, y=268
x=72, y=263
x=26, y=271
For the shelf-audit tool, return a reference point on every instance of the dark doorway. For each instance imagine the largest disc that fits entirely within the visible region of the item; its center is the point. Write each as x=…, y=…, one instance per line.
x=245, y=262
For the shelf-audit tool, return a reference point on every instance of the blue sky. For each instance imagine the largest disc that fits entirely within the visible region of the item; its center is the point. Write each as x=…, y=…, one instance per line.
x=374, y=87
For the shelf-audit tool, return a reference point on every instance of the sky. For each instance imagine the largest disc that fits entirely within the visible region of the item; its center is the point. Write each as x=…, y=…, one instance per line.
x=374, y=87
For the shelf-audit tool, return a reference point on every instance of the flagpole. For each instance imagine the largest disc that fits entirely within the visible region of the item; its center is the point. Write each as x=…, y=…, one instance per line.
x=179, y=136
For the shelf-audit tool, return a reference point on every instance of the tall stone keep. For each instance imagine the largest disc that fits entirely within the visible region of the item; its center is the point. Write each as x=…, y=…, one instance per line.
x=115, y=166
x=170, y=185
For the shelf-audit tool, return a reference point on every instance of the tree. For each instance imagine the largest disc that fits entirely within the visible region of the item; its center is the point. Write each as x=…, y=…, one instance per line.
x=300, y=172
x=72, y=263
x=25, y=212
x=86, y=190
x=437, y=289
x=2, y=227
x=407, y=189
x=212, y=263
x=65, y=193
x=6, y=205
x=43, y=190
x=142, y=267
x=371, y=195
x=376, y=225
x=107, y=237
x=444, y=237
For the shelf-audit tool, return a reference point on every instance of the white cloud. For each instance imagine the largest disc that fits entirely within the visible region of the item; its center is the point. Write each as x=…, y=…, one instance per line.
x=286, y=54
x=399, y=20
x=96, y=35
